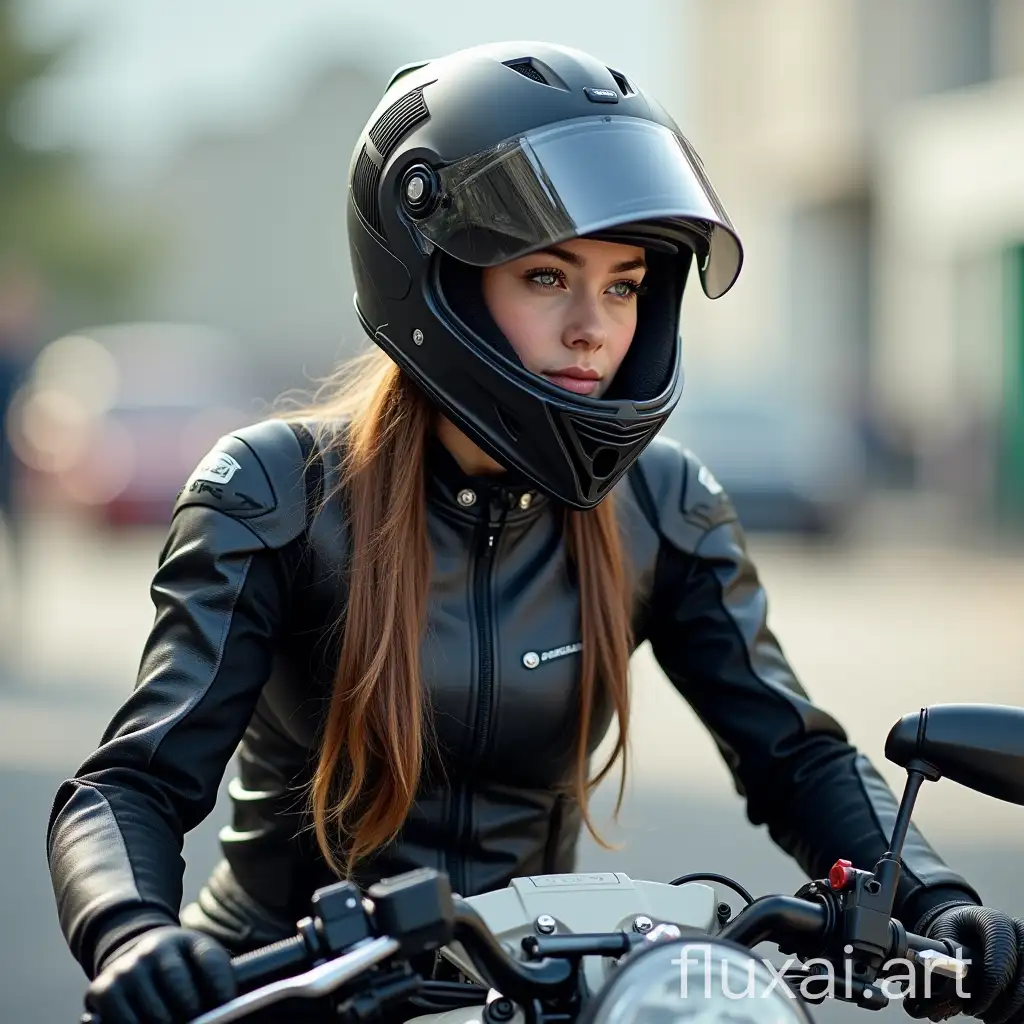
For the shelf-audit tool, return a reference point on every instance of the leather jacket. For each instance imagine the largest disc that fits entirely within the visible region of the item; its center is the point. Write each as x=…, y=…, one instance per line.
x=249, y=592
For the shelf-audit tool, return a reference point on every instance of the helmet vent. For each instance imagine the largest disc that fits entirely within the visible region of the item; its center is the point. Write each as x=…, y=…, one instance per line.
x=528, y=69
x=365, y=183
x=594, y=436
x=598, y=449
x=397, y=121
x=622, y=82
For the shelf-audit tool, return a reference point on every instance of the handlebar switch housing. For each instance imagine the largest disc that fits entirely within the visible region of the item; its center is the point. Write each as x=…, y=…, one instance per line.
x=340, y=919
x=867, y=911
x=415, y=908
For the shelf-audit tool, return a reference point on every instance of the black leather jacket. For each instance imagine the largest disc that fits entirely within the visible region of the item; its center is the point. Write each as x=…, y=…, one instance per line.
x=248, y=594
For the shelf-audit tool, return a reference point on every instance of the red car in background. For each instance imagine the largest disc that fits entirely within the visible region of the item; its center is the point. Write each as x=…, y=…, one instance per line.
x=112, y=420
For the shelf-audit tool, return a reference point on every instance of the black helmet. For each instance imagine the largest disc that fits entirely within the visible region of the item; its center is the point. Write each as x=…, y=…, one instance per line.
x=495, y=152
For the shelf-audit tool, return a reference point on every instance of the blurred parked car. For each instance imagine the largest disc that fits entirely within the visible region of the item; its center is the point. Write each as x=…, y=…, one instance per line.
x=786, y=468
x=113, y=419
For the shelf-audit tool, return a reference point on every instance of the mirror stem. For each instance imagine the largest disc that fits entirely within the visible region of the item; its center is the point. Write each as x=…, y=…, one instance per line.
x=902, y=826
x=918, y=772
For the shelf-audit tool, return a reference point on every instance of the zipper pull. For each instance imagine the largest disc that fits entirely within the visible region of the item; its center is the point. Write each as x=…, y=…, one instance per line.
x=496, y=512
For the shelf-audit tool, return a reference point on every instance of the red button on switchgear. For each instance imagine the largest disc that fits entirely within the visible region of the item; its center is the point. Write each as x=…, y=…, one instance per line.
x=841, y=874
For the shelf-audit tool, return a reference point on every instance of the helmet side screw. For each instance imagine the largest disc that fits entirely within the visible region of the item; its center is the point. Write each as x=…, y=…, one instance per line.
x=419, y=190
x=417, y=337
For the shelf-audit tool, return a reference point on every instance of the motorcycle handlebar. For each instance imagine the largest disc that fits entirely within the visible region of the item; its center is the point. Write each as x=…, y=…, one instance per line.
x=788, y=919
x=512, y=978
x=777, y=919
x=781, y=919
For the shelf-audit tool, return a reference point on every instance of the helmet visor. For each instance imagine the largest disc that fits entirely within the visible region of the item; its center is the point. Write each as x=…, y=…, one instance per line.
x=578, y=178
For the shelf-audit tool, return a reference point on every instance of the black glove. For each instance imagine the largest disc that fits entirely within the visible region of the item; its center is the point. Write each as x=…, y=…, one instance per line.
x=165, y=976
x=994, y=987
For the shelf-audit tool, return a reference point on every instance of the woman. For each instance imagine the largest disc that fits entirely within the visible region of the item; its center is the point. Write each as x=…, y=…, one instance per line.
x=413, y=605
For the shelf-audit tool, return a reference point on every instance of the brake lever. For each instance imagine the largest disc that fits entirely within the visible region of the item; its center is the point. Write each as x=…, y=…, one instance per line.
x=944, y=964
x=315, y=983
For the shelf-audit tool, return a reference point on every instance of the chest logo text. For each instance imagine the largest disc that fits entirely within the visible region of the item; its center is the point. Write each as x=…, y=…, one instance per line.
x=531, y=659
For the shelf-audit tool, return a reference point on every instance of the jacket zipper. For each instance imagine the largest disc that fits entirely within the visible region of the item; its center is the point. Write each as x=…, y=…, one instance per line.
x=482, y=585
x=482, y=569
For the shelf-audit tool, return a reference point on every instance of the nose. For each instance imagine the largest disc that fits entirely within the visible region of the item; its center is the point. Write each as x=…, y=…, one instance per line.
x=585, y=327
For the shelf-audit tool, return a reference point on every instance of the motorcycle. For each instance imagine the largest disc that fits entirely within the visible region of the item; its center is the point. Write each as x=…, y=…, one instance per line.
x=602, y=948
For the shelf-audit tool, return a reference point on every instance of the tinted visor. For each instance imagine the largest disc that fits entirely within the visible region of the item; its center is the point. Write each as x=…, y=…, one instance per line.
x=579, y=178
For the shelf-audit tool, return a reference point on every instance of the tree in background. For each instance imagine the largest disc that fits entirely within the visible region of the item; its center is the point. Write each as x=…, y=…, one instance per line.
x=49, y=226
x=62, y=265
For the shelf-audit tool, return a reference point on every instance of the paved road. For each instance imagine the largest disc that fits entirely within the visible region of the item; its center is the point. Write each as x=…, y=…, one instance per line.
x=874, y=632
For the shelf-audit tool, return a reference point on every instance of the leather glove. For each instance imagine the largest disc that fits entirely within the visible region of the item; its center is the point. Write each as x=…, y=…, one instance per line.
x=167, y=975
x=994, y=987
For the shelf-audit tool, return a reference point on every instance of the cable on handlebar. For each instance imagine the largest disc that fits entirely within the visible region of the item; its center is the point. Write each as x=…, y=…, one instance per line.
x=440, y=996
x=710, y=876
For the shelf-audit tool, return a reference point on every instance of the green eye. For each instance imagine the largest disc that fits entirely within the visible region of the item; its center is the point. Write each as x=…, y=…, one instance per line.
x=625, y=289
x=545, y=277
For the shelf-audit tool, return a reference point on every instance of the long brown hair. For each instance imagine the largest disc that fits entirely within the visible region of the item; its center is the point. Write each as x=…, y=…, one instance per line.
x=374, y=737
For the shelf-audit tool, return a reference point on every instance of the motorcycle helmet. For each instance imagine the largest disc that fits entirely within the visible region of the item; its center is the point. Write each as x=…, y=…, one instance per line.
x=495, y=152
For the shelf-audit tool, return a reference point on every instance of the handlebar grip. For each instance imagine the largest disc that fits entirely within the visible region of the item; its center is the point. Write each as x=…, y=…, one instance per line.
x=278, y=956
x=253, y=966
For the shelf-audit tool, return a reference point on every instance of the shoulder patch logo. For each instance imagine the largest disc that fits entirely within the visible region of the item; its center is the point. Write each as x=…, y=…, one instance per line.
x=217, y=467
x=707, y=478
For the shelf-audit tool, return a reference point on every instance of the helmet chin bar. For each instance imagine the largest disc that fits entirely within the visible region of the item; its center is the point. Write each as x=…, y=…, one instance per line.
x=598, y=450
x=588, y=457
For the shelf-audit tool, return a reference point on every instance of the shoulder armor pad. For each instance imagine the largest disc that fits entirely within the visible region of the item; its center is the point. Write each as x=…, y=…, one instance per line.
x=688, y=499
x=255, y=474
x=704, y=499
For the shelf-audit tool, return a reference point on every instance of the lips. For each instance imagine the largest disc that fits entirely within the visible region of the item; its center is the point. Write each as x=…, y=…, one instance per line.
x=576, y=379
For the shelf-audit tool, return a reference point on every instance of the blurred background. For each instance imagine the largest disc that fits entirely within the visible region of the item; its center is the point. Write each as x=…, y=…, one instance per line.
x=173, y=257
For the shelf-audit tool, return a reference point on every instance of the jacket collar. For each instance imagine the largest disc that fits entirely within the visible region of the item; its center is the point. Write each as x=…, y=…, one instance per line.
x=450, y=485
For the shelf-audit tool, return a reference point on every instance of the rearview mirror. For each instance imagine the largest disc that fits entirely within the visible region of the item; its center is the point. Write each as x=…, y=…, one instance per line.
x=981, y=746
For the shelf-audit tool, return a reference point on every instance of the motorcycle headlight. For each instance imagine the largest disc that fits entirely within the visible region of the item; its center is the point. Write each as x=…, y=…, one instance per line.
x=704, y=981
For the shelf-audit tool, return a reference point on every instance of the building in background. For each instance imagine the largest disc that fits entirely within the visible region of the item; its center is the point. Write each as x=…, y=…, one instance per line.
x=873, y=157
x=252, y=229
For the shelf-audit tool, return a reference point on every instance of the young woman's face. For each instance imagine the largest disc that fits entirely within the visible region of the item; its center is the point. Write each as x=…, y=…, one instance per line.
x=569, y=311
